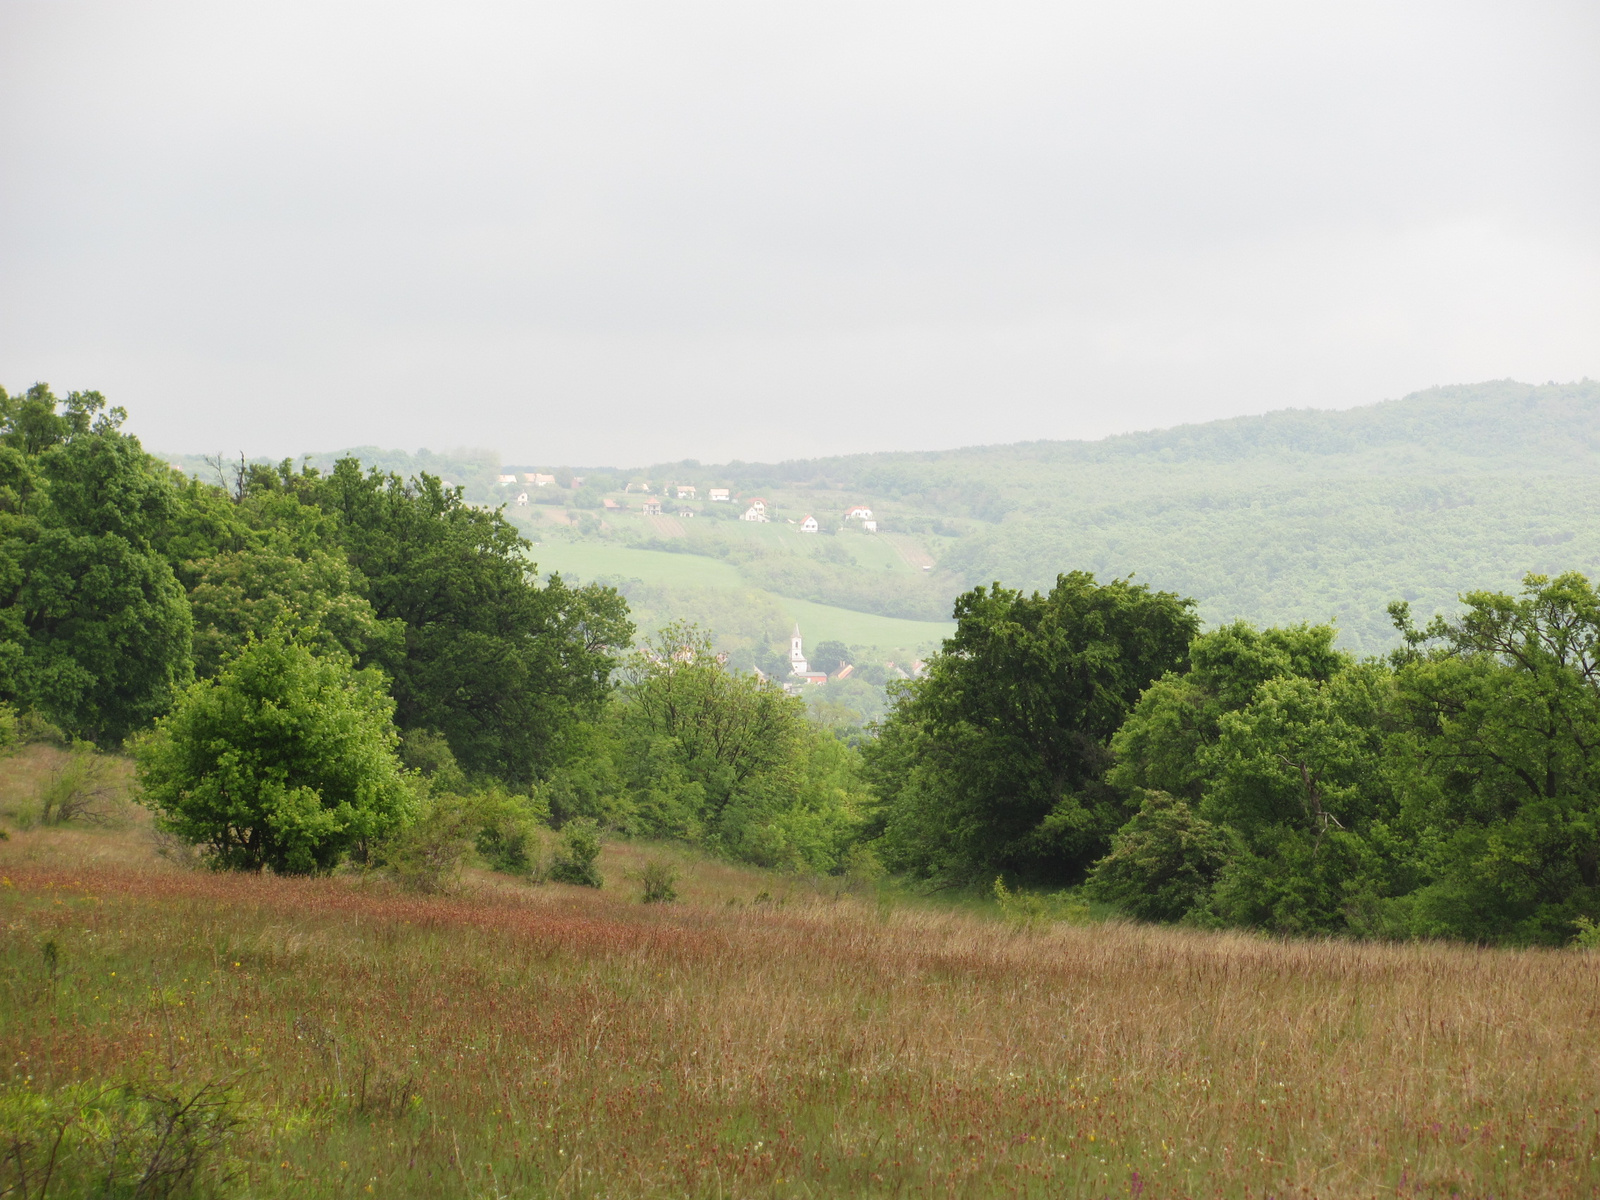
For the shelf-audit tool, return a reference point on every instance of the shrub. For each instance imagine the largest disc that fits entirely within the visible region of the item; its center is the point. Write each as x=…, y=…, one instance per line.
x=136, y=1141
x=659, y=882
x=1029, y=910
x=426, y=855
x=508, y=838
x=574, y=860
x=286, y=759
x=80, y=788
x=1163, y=862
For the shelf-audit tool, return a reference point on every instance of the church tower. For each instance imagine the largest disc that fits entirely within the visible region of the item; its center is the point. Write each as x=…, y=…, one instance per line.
x=797, y=655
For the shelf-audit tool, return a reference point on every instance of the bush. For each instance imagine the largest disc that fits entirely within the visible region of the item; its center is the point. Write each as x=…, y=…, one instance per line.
x=285, y=760
x=1029, y=910
x=134, y=1141
x=427, y=854
x=574, y=860
x=659, y=882
x=80, y=788
x=508, y=838
x=1163, y=862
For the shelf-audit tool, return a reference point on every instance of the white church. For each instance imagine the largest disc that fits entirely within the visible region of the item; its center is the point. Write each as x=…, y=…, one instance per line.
x=799, y=670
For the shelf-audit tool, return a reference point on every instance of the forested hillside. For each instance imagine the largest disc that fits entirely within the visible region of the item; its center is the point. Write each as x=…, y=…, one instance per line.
x=1294, y=515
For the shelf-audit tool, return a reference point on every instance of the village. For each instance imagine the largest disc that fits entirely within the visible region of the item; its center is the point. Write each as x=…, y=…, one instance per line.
x=682, y=501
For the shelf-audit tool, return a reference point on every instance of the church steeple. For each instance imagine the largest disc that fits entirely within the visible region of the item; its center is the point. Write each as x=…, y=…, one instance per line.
x=797, y=654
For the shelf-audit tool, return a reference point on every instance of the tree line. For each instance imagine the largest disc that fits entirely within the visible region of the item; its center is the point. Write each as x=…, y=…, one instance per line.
x=316, y=667
x=308, y=664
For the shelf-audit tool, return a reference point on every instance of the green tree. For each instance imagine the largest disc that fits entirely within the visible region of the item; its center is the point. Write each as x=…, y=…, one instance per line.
x=504, y=667
x=996, y=760
x=1166, y=742
x=1501, y=761
x=242, y=594
x=730, y=760
x=1163, y=862
x=95, y=631
x=828, y=657
x=1300, y=776
x=286, y=759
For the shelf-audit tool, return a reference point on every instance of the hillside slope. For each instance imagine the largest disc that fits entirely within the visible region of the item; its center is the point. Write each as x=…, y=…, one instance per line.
x=1294, y=515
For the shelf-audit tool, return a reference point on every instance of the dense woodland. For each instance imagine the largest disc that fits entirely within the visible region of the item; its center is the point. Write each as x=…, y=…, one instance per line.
x=327, y=667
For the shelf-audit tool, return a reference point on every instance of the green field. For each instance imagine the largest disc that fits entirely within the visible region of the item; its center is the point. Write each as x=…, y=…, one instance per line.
x=587, y=561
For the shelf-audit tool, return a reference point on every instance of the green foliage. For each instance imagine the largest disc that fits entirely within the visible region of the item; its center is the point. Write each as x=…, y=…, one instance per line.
x=1030, y=910
x=996, y=759
x=828, y=657
x=497, y=663
x=79, y=788
x=313, y=592
x=1162, y=863
x=574, y=860
x=128, y=1141
x=658, y=882
x=285, y=760
x=428, y=852
x=94, y=627
x=1502, y=710
x=729, y=761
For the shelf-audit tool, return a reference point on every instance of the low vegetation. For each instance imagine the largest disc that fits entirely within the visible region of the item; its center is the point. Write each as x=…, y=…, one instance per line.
x=762, y=1035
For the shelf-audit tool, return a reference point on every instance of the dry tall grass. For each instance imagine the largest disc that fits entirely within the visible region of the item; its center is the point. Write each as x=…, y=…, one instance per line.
x=557, y=1041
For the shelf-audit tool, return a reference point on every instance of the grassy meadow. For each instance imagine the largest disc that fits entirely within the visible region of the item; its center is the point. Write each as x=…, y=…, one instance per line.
x=762, y=1036
x=588, y=561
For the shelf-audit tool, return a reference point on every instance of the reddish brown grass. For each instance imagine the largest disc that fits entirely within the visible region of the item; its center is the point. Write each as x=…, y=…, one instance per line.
x=560, y=1042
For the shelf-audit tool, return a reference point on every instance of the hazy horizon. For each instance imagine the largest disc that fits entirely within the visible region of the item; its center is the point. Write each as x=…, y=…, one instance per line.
x=637, y=233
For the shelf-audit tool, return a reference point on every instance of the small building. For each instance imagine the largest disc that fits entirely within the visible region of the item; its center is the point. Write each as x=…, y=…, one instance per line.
x=845, y=671
x=543, y=480
x=685, y=511
x=870, y=526
x=652, y=507
x=859, y=513
x=753, y=514
x=759, y=504
x=685, y=492
x=522, y=498
x=719, y=495
x=809, y=525
x=508, y=479
x=577, y=482
x=610, y=505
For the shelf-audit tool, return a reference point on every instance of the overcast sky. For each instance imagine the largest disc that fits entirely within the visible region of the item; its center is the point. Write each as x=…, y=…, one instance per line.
x=627, y=232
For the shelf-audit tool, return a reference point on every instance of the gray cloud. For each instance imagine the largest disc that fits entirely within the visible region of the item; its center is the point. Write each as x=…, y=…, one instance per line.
x=632, y=231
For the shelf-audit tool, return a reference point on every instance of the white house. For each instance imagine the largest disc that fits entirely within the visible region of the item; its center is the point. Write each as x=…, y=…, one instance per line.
x=685, y=492
x=759, y=504
x=522, y=497
x=508, y=479
x=719, y=495
x=870, y=526
x=859, y=513
x=652, y=507
x=753, y=514
x=809, y=525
